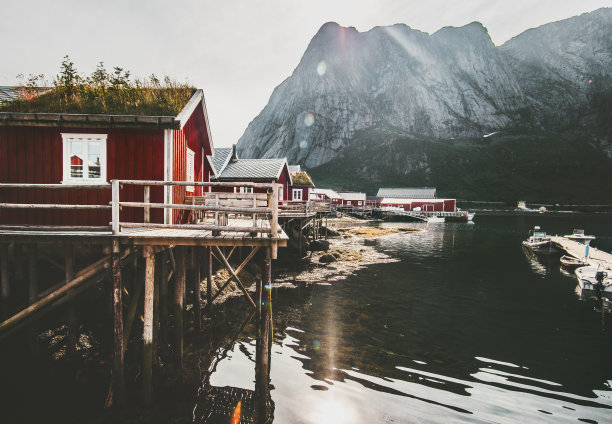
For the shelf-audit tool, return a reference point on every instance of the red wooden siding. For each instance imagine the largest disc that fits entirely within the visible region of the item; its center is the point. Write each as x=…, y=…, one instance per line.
x=195, y=137
x=305, y=191
x=35, y=155
x=434, y=205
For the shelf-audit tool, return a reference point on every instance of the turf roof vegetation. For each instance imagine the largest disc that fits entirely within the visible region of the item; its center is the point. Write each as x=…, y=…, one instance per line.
x=102, y=92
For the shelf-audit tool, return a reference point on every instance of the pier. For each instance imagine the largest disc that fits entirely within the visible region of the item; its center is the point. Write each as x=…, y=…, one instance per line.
x=134, y=257
x=597, y=258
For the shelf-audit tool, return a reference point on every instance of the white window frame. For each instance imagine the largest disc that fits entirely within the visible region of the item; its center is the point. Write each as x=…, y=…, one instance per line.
x=190, y=176
x=297, y=192
x=85, y=138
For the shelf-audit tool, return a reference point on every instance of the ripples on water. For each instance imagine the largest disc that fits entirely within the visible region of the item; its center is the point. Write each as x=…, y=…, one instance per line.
x=465, y=328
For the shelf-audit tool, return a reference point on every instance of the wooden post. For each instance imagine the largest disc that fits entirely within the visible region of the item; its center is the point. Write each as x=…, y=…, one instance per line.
x=158, y=277
x=147, y=199
x=163, y=314
x=118, y=377
x=197, y=280
x=72, y=336
x=6, y=288
x=209, y=277
x=265, y=318
x=33, y=273
x=18, y=254
x=147, y=335
x=179, y=296
x=115, y=206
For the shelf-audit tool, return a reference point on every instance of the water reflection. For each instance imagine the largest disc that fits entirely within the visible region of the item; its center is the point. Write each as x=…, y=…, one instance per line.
x=460, y=330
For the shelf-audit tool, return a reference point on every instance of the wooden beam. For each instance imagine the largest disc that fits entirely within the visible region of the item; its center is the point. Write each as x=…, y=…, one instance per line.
x=72, y=335
x=233, y=274
x=84, y=275
x=187, y=206
x=229, y=228
x=147, y=335
x=50, y=206
x=118, y=347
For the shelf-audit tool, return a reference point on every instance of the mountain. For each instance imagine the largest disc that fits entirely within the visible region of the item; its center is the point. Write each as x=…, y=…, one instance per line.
x=396, y=106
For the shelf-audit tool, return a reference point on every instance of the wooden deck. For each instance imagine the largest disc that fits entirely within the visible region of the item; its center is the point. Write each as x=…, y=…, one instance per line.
x=596, y=257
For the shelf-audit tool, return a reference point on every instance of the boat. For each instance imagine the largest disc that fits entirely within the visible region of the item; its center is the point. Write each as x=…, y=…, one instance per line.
x=579, y=236
x=538, y=241
x=435, y=219
x=589, y=277
x=571, y=262
x=470, y=215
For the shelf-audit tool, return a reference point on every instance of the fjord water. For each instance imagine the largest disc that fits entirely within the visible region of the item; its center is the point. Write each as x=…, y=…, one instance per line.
x=464, y=327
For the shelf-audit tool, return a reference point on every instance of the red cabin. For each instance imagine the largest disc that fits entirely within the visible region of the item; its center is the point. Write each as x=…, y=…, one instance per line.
x=410, y=199
x=229, y=168
x=91, y=150
x=302, y=185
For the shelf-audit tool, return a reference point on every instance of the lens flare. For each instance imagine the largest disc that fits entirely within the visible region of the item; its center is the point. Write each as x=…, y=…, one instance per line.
x=309, y=119
x=321, y=68
x=303, y=144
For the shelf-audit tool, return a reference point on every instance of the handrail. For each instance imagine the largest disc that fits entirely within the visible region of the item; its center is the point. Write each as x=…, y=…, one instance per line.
x=225, y=204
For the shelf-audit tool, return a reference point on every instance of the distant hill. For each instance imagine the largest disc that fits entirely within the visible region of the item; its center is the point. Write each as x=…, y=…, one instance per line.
x=395, y=106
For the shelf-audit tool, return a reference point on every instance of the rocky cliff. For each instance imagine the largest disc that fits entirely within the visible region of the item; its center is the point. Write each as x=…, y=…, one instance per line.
x=393, y=83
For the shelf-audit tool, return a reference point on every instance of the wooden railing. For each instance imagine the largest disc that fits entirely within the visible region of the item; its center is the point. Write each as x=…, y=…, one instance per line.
x=212, y=212
x=51, y=206
x=303, y=207
x=220, y=206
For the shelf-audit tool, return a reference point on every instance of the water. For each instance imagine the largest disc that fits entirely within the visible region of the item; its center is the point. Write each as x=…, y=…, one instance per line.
x=464, y=328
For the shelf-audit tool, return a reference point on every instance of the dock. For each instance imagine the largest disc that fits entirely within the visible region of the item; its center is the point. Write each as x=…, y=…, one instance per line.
x=134, y=258
x=597, y=258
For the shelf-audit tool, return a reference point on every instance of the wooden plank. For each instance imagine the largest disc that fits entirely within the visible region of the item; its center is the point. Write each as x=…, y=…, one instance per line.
x=192, y=227
x=234, y=274
x=220, y=208
x=196, y=183
x=58, y=186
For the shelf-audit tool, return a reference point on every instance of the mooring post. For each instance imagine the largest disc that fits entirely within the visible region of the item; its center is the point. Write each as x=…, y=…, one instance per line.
x=262, y=372
x=157, y=279
x=209, y=274
x=6, y=288
x=118, y=378
x=33, y=273
x=147, y=335
x=179, y=297
x=197, y=280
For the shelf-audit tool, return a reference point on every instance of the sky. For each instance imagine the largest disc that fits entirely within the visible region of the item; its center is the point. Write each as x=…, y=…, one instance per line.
x=237, y=51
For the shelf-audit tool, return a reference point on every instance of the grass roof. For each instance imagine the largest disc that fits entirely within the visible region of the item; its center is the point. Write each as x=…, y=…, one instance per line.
x=301, y=178
x=85, y=99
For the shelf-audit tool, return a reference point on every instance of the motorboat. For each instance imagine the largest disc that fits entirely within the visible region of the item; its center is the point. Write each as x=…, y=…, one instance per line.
x=470, y=215
x=571, y=262
x=579, y=236
x=590, y=277
x=538, y=241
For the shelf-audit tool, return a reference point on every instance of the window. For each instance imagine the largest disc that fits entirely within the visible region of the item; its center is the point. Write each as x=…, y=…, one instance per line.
x=243, y=190
x=190, y=169
x=84, y=158
x=297, y=194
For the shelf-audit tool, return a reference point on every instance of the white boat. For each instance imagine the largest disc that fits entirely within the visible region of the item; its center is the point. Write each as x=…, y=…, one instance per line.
x=538, y=241
x=470, y=215
x=588, y=278
x=579, y=236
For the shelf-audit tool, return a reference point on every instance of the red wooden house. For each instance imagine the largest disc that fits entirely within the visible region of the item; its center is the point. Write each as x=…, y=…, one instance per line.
x=326, y=195
x=91, y=150
x=229, y=168
x=422, y=198
x=302, y=185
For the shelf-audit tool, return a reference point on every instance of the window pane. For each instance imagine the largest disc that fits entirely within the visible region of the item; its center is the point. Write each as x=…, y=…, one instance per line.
x=76, y=159
x=94, y=159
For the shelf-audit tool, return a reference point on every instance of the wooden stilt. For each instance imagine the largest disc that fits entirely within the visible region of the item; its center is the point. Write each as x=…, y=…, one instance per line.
x=18, y=253
x=163, y=309
x=33, y=273
x=262, y=373
x=72, y=335
x=155, y=349
x=209, y=280
x=147, y=335
x=118, y=377
x=179, y=296
x=197, y=280
x=6, y=287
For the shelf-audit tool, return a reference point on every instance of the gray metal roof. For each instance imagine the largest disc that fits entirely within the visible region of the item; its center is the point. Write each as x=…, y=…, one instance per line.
x=252, y=169
x=353, y=196
x=408, y=193
x=220, y=157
